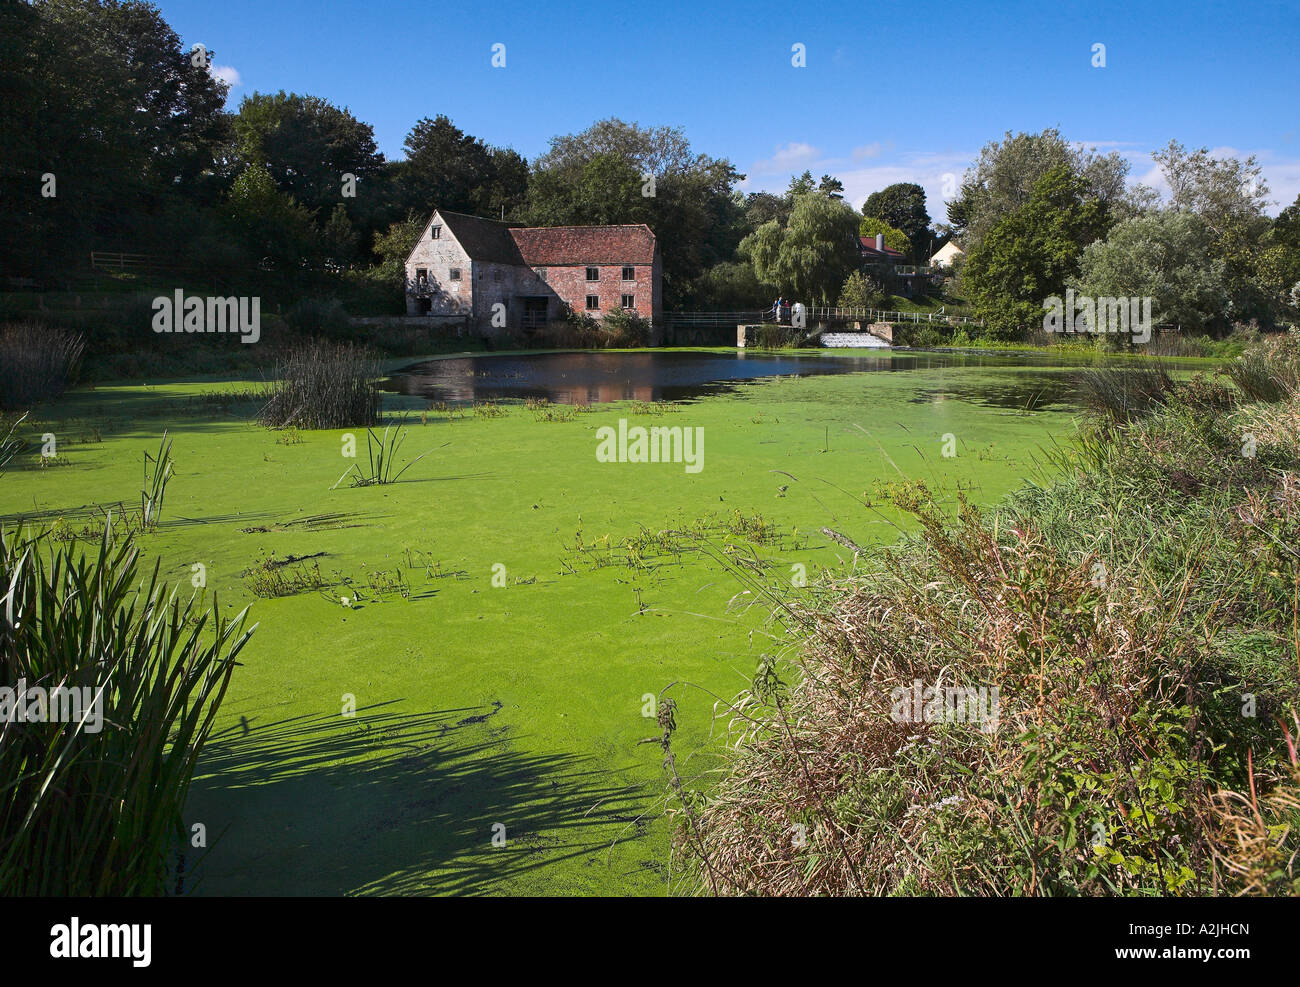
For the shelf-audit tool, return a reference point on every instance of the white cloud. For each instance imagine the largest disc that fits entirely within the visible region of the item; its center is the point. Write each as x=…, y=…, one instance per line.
x=226, y=73
x=788, y=158
x=866, y=151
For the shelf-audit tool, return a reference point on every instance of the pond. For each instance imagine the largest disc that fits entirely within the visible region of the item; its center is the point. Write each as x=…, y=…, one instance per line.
x=1013, y=380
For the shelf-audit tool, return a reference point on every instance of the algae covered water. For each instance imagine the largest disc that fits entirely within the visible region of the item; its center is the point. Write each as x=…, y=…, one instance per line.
x=474, y=720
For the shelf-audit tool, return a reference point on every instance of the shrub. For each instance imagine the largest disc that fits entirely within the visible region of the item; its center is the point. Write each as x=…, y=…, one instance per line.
x=1124, y=392
x=1124, y=612
x=625, y=329
x=1269, y=371
x=96, y=812
x=37, y=363
x=324, y=385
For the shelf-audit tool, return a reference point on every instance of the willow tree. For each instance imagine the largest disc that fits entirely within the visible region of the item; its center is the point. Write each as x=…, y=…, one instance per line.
x=812, y=254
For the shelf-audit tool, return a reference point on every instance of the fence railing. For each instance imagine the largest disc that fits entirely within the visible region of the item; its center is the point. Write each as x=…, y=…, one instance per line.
x=110, y=260
x=885, y=315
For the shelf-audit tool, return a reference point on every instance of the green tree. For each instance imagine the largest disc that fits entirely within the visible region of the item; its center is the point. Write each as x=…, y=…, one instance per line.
x=860, y=291
x=1004, y=178
x=1166, y=256
x=271, y=226
x=869, y=226
x=902, y=206
x=813, y=254
x=111, y=105
x=306, y=144
x=1032, y=252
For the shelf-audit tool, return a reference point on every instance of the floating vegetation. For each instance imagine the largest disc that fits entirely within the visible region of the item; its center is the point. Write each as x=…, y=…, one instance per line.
x=655, y=408
x=272, y=577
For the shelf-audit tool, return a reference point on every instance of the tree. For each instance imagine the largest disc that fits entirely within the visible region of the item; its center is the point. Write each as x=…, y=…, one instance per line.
x=860, y=291
x=1229, y=196
x=802, y=185
x=869, y=226
x=117, y=112
x=1166, y=256
x=270, y=225
x=447, y=168
x=394, y=245
x=1007, y=172
x=813, y=254
x=902, y=206
x=615, y=172
x=761, y=207
x=1030, y=253
x=732, y=286
x=831, y=187
x=306, y=144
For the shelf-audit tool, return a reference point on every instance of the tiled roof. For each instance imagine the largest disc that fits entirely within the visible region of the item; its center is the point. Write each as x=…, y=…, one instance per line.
x=544, y=246
x=482, y=239
x=869, y=247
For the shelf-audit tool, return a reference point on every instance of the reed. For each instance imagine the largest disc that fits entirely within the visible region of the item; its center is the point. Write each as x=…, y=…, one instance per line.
x=89, y=812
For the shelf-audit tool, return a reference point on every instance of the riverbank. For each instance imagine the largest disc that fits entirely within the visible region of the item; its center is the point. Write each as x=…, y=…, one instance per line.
x=1093, y=689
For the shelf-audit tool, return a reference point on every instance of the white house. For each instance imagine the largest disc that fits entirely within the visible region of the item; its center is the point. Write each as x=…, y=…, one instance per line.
x=945, y=255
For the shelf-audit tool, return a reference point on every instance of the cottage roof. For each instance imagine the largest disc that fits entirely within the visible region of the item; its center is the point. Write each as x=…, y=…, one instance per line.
x=482, y=239
x=544, y=246
x=869, y=247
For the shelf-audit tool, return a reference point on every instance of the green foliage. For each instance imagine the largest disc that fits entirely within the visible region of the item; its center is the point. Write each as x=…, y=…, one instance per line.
x=902, y=206
x=1031, y=254
x=1167, y=256
x=813, y=254
x=869, y=226
x=269, y=225
x=626, y=328
x=306, y=144
x=860, y=291
x=88, y=812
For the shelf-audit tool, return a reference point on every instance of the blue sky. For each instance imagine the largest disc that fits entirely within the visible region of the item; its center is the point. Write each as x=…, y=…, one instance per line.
x=891, y=92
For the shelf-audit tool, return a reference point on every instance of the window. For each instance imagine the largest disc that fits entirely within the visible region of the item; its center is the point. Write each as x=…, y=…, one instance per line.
x=629, y=301
x=435, y=233
x=593, y=302
x=629, y=274
x=421, y=275
x=454, y=274
x=593, y=274
x=497, y=275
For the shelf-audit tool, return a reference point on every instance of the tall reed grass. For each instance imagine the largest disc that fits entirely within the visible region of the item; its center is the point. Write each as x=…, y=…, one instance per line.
x=324, y=385
x=1139, y=612
x=86, y=812
x=37, y=362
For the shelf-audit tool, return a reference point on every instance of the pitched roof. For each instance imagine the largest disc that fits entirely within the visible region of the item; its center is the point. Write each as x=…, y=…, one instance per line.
x=482, y=239
x=868, y=244
x=544, y=246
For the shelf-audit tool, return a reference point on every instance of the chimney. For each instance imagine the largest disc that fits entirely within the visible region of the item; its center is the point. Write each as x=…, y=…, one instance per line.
x=880, y=242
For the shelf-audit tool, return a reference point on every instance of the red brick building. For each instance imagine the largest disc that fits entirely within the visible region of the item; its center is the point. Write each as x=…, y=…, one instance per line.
x=516, y=278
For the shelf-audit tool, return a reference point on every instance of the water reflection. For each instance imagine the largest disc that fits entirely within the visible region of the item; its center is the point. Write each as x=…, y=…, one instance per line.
x=669, y=375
